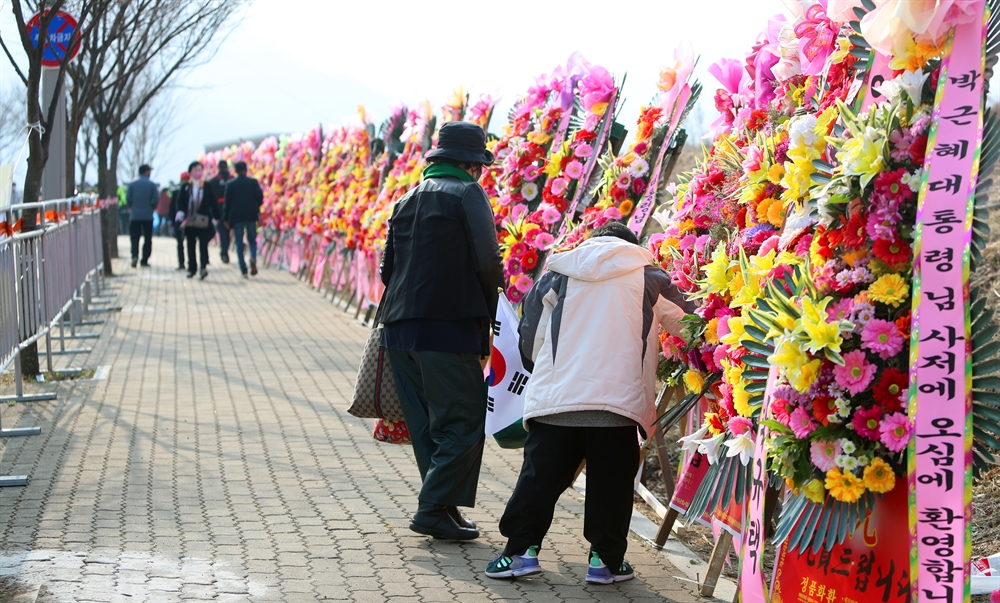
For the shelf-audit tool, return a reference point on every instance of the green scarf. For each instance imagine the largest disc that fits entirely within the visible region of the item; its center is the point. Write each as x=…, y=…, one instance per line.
x=446, y=170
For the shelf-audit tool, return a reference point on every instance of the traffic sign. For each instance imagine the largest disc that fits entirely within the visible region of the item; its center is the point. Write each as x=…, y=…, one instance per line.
x=59, y=37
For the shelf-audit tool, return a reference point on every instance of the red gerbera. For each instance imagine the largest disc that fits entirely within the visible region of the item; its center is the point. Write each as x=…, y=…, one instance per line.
x=889, y=387
x=823, y=406
x=903, y=325
x=529, y=261
x=854, y=232
x=892, y=252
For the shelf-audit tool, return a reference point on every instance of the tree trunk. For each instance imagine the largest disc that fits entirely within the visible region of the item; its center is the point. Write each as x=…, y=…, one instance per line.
x=37, y=156
x=72, y=133
x=109, y=215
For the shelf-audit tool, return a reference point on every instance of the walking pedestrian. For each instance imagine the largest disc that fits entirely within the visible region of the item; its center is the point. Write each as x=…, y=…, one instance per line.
x=141, y=198
x=218, y=185
x=241, y=211
x=162, y=212
x=442, y=271
x=175, y=224
x=197, y=208
x=588, y=336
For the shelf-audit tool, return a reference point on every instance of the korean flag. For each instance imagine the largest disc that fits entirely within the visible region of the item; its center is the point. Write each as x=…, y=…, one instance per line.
x=508, y=378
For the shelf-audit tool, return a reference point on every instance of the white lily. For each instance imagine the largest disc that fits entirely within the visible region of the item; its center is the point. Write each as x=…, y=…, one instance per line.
x=710, y=448
x=691, y=442
x=912, y=82
x=741, y=445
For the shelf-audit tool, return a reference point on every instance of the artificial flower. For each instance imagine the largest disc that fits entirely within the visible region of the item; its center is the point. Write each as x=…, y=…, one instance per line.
x=879, y=477
x=890, y=389
x=894, y=431
x=710, y=447
x=529, y=191
x=890, y=289
x=802, y=424
x=892, y=251
x=804, y=377
x=867, y=422
x=690, y=443
x=845, y=487
x=856, y=373
x=882, y=337
x=814, y=491
x=694, y=382
x=742, y=446
x=822, y=453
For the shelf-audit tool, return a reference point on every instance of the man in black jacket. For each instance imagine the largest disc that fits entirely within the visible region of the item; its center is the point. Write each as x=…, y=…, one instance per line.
x=240, y=212
x=218, y=185
x=442, y=272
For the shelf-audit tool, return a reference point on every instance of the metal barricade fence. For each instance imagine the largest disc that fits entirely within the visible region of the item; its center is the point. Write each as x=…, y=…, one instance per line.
x=44, y=274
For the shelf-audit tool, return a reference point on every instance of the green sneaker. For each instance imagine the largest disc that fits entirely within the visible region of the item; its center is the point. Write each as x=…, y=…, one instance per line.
x=599, y=573
x=524, y=564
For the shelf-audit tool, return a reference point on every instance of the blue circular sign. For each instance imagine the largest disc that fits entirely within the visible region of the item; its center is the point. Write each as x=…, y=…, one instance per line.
x=59, y=38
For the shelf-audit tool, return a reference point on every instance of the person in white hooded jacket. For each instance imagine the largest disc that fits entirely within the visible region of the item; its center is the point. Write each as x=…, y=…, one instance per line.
x=589, y=336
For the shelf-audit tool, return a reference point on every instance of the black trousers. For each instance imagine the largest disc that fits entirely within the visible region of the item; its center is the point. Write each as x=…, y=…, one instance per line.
x=199, y=237
x=141, y=228
x=444, y=404
x=179, y=235
x=224, y=240
x=552, y=455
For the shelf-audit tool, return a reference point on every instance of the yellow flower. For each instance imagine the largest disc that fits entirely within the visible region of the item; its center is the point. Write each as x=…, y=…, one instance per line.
x=717, y=273
x=821, y=334
x=763, y=207
x=851, y=258
x=744, y=292
x=626, y=207
x=797, y=178
x=775, y=172
x=862, y=155
x=712, y=331
x=845, y=487
x=539, y=138
x=736, y=284
x=788, y=355
x=889, y=289
x=814, y=491
x=737, y=329
x=879, y=476
x=741, y=399
x=694, y=382
x=802, y=377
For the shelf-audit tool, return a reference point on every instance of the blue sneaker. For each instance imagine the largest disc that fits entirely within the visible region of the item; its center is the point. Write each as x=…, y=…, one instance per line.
x=525, y=564
x=598, y=573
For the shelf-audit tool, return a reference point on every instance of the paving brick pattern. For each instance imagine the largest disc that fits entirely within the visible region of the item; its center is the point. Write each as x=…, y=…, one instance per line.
x=218, y=462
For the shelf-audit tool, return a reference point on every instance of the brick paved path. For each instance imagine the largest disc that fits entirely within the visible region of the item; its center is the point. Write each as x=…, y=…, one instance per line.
x=217, y=462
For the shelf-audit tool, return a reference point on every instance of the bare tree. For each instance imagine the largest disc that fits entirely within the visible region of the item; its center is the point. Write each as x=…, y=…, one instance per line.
x=12, y=130
x=172, y=36
x=31, y=77
x=151, y=132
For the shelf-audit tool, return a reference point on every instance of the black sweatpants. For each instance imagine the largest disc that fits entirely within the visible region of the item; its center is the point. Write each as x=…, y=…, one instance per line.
x=551, y=456
x=444, y=404
x=137, y=229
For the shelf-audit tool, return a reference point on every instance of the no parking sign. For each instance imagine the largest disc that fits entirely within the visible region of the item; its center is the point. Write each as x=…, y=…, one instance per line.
x=59, y=39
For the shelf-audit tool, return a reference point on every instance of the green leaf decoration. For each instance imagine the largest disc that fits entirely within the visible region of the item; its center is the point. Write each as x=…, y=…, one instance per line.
x=758, y=333
x=757, y=387
x=754, y=375
x=860, y=53
x=756, y=361
x=757, y=348
x=858, y=40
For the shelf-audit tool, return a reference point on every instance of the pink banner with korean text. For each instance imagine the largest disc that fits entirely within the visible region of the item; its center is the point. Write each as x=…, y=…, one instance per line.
x=940, y=403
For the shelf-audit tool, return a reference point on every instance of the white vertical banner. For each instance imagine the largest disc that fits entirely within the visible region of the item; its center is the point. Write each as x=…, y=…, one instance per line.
x=508, y=377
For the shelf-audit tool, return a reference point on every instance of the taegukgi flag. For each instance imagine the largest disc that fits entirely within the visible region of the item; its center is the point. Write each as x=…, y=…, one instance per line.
x=508, y=378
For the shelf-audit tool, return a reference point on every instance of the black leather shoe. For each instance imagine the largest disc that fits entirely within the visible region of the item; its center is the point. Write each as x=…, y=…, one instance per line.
x=434, y=520
x=455, y=514
x=191, y=274
x=224, y=257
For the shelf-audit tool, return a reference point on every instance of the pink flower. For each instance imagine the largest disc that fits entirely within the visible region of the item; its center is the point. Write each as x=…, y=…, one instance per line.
x=530, y=173
x=802, y=424
x=514, y=295
x=867, y=421
x=559, y=186
x=840, y=310
x=543, y=241
x=518, y=211
x=612, y=213
x=779, y=409
x=995, y=596
x=882, y=337
x=550, y=215
x=574, y=169
x=514, y=266
x=584, y=150
x=895, y=431
x=823, y=453
x=624, y=179
x=641, y=148
x=518, y=249
x=523, y=283
x=739, y=425
x=856, y=374
x=638, y=186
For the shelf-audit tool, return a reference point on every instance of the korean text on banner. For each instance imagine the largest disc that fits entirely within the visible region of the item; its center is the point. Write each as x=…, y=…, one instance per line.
x=508, y=377
x=940, y=404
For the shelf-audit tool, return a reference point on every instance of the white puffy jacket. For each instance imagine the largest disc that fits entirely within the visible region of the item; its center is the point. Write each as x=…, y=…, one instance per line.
x=588, y=329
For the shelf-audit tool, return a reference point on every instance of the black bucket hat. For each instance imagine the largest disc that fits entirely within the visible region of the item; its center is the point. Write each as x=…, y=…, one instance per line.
x=463, y=142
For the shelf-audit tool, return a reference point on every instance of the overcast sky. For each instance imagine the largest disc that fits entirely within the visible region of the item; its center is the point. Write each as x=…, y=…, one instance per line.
x=292, y=64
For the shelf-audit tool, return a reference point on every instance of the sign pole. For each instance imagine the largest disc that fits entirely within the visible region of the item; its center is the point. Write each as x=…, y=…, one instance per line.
x=54, y=185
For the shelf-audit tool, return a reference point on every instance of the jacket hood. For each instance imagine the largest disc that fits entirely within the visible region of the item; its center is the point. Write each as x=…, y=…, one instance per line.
x=600, y=259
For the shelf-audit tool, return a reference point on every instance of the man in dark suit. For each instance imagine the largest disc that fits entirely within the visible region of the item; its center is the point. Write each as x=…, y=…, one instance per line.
x=442, y=271
x=240, y=212
x=196, y=208
x=218, y=186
